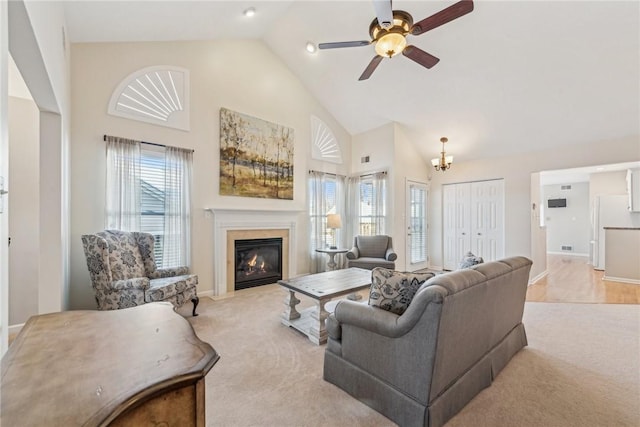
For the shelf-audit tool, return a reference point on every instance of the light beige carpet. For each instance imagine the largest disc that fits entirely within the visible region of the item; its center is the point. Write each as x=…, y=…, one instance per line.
x=581, y=368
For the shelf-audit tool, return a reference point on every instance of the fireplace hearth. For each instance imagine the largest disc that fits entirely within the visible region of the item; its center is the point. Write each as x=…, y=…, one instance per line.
x=257, y=262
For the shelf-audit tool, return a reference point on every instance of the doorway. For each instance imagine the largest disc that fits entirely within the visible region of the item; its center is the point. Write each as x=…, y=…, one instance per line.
x=416, y=255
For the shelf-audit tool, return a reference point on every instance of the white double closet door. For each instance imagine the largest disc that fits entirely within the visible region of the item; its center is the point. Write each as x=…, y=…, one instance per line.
x=473, y=220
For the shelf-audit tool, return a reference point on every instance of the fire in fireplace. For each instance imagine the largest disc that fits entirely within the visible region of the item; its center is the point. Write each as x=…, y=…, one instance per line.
x=257, y=262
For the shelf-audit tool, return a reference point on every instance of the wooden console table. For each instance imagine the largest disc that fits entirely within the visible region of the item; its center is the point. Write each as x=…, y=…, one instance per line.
x=138, y=366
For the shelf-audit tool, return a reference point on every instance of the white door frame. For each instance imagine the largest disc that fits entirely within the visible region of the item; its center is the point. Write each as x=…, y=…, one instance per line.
x=4, y=159
x=409, y=266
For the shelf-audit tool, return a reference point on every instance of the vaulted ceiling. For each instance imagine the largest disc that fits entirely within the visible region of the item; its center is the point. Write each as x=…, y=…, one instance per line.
x=513, y=76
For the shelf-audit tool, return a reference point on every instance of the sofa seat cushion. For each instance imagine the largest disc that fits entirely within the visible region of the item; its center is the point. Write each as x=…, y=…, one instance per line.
x=393, y=290
x=370, y=263
x=167, y=287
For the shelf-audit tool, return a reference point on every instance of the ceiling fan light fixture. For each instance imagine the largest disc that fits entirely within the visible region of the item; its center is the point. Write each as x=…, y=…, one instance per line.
x=390, y=44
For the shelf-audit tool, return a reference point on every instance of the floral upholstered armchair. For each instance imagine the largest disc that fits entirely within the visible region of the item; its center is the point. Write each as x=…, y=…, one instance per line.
x=124, y=274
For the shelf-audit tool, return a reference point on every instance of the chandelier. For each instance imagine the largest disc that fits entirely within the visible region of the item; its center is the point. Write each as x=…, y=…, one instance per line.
x=444, y=162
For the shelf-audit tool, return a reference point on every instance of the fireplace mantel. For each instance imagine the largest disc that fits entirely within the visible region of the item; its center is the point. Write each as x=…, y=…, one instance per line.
x=226, y=220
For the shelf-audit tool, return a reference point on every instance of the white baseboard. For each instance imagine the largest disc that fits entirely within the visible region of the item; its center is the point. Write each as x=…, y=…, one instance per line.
x=435, y=267
x=538, y=277
x=206, y=294
x=15, y=329
x=568, y=253
x=620, y=279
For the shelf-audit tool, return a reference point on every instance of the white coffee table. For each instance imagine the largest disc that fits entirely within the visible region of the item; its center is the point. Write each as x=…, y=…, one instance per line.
x=322, y=288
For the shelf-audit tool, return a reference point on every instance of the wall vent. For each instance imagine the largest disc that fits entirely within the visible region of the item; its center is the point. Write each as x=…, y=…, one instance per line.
x=567, y=248
x=565, y=187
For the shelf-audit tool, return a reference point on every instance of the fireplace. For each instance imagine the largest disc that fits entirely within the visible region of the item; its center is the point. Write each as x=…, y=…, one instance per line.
x=257, y=262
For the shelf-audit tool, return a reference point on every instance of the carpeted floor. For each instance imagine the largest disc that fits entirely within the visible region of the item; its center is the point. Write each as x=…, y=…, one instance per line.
x=581, y=368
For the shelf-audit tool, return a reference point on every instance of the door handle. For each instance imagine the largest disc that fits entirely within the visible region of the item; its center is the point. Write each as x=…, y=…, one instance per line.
x=479, y=234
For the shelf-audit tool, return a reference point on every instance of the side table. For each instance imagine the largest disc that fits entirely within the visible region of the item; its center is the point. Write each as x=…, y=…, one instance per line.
x=332, y=255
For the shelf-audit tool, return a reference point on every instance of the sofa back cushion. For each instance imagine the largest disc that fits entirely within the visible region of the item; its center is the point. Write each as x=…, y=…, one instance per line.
x=483, y=304
x=125, y=260
x=393, y=290
x=372, y=246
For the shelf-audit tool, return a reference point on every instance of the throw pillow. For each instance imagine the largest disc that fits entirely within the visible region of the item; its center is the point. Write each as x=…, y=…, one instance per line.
x=470, y=260
x=394, y=290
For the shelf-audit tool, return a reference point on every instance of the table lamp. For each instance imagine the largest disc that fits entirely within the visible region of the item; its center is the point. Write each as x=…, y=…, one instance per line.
x=334, y=222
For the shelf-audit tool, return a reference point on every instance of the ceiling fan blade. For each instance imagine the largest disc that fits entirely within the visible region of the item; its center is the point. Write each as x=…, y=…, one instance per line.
x=383, y=13
x=371, y=67
x=343, y=44
x=420, y=56
x=445, y=15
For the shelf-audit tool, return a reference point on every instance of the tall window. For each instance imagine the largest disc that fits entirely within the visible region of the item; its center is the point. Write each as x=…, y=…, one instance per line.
x=368, y=198
x=149, y=190
x=326, y=195
x=417, y=223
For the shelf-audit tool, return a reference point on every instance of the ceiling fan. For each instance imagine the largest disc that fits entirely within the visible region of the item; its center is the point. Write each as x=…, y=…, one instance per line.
x=391, y=27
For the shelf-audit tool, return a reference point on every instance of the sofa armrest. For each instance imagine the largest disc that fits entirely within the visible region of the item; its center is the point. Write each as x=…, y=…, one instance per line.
x=141, y=283
x=169, y=272
x=353, y=253
x=333, y=327
x=390, y=255
x=367, y=317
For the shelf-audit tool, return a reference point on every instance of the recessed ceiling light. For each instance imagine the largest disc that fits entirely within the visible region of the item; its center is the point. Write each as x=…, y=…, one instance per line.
x=250, y=12
x=311, y=48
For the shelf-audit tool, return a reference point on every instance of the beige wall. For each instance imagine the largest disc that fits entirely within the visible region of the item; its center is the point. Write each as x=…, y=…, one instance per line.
x=24, y=227
x=607, y=183
x=516, y=171
x=39, y=51
x=408, y=166
x=222, y=74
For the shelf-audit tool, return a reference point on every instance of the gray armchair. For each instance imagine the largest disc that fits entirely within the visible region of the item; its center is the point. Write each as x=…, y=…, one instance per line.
x=372, y=251
x=124, y=274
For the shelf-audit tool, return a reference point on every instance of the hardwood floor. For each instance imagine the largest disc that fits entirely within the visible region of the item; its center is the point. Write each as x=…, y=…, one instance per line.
x=572, y=279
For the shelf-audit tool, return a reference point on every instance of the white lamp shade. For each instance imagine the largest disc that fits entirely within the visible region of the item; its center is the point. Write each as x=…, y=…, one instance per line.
x=334, y=221
x=435, y=162
x=449, y=159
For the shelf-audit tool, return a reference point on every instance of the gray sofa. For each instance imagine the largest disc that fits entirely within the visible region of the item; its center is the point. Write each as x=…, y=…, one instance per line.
x=422, y=367
x=369, y=252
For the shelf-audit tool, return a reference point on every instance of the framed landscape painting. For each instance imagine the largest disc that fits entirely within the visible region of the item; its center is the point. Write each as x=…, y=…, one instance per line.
x=256, y=157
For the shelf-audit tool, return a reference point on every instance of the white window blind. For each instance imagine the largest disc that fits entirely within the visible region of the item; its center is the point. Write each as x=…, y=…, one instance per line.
x=372, y=205
x=152, y=198
x=149, y=190
x=320, y=205
x=418, y=204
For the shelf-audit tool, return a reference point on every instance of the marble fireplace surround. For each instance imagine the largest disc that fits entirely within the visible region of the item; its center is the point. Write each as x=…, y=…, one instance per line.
x=233, y=224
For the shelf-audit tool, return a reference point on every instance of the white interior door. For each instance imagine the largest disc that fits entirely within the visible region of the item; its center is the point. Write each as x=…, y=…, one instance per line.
x=457, y=223
x=473, y=220
x=487, y=232
x=449, y=260
x=416, y=216
x=463, y=220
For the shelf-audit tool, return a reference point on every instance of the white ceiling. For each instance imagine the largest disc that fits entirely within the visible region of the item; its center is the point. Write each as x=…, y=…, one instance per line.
x=513, y=76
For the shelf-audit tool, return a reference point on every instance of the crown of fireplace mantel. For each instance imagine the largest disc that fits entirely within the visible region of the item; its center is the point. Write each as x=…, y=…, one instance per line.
x=233, y=220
